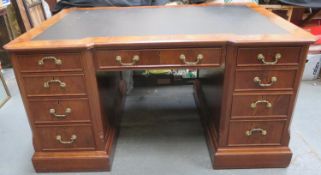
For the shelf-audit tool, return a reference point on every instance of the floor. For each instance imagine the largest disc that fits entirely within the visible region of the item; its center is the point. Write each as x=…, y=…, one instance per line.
x=161, y=134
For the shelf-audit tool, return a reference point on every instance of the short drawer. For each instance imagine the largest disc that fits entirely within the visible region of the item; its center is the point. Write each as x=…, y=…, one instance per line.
x=59, y=110
x=55, y=138
x=125, y=58
x=50, y=62
x=265, y=79
x=255, y=133
x=260, y=105
x=55, y=85
x=268, y=56
x=191, y=57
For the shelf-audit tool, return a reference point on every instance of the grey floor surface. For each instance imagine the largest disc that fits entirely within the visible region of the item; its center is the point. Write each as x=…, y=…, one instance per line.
x=161, y=135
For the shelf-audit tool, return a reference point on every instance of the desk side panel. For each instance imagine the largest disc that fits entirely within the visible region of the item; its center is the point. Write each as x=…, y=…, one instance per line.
x=254, y=150
x=102, y=139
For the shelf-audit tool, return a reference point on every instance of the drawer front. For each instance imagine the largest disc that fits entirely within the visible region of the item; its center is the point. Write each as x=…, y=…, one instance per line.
x=265, y=80
x=248, y=133
x=125, y=58
x=59, y=110
x=192, y=57
x=55, y=138
x=54, y=85
x=268, y=56
x=50, y=62
x=262, y=105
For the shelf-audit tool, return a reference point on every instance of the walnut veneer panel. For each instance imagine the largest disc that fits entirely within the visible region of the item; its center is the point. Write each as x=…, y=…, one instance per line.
x=192, y=56
x=50, y=62
x=35, y=85
x=108, y=58
x=264, y=79
x=248, y=56
x=238, y=133
x=83, y=139
x=61, y=110
x=249, y=105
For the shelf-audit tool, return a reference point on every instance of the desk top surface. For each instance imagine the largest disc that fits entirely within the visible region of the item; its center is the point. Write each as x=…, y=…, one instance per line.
x=117, y=25
x=240, y=20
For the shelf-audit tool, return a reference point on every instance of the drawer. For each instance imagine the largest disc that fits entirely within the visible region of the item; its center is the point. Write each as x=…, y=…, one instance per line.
x=255, y=133
x=126, y=58
x=192, y=57
x=268, y=56
x=59, y=110
x=265, y=79
x=50, y=62
x=260, y=105
x=54, y=85
x=55, y=138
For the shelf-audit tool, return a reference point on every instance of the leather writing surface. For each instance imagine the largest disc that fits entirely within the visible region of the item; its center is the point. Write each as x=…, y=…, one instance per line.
x=239, y=20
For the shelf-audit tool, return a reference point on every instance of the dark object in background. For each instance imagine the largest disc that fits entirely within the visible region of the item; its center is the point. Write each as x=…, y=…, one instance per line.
x=315, y=5
x=97, y=3
x=303, y=3
x=120, y=3
x=6, y=35
x=197, y=1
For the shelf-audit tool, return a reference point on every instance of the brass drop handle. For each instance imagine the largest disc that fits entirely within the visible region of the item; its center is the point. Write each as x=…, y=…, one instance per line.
x=61, y=84
x=55, y=59
x=261, y=58
x=73, y=138
x=260, y=130
x=268, y=104
x=198, y=59
x=60, y=116
x=258, y=81
x=135, y=60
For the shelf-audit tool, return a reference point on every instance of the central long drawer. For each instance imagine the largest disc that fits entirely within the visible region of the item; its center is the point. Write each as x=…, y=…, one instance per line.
x=154, y=58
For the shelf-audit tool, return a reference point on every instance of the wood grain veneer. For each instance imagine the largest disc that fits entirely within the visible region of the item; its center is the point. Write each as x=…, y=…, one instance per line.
x=245, y=79
x=48, y=134
x=107, y=58
x=211, y=56
x=241, y=106
x=248, y=56
x=34, y=85
x=79, y=110
x=69, y=62
x=237, y=133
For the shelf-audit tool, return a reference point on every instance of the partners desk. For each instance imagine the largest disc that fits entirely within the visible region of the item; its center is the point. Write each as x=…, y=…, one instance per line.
x=68, y=72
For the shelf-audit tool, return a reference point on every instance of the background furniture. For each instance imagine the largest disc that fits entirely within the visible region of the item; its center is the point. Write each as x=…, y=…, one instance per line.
x=4, y=91
x=73, y=92
x=294, y=14
x=30, y=13
x=313, y=5
x=5, y=36
x=52, y=4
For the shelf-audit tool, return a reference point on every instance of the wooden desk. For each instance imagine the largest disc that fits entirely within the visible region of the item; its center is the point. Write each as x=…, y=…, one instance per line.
x=68, y=74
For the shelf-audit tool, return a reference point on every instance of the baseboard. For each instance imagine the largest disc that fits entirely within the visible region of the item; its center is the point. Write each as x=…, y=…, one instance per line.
x=274, y=157
x=72, y=161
